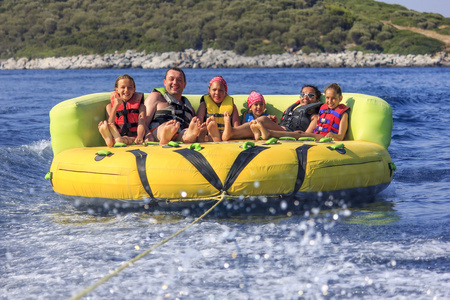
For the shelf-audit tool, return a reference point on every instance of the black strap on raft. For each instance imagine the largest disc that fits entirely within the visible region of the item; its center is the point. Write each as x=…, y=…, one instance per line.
x=302, y=156
x=202, y=165
x=141, y=158
x=240, y=163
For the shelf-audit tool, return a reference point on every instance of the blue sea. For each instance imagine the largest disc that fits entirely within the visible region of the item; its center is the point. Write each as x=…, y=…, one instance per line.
x=396, y=246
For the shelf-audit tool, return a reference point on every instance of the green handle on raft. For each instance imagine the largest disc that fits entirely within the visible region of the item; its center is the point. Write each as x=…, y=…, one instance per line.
x=287, y=138
x=248, y=145
x=195, y=146
x=48, y=176
x=119, y=145
x=326, y=140
x=103, y=152
x=173, y=144
x=307, y=139
x=150, y=143
x=271, y=141
x=392, y=166
x=338, y=146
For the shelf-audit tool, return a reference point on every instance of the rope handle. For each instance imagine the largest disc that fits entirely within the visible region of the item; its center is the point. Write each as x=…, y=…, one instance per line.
x=119, y=145
x=195, y=146
x=173, y=144
x=305, y=139
x=287, y=138
x=103, y=152
x=247, y=145
x=326, y=140
x=271, y=141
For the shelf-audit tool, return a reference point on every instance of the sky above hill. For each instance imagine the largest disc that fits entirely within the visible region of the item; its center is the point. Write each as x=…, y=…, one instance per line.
x=435, y=6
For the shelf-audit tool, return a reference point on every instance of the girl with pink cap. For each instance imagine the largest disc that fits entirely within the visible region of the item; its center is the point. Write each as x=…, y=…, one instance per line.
x=213, y=107
x=256, y=108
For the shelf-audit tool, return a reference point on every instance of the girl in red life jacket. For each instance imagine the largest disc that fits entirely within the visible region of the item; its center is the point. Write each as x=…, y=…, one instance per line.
x=333, y=116
x=125, y=115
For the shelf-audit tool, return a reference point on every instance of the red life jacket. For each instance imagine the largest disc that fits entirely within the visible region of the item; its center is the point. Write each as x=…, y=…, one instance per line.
x=127, y=118
x=329, y=119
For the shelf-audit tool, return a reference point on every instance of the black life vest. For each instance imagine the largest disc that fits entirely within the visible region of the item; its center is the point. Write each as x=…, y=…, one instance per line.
x=183, y=113
x=298, y=117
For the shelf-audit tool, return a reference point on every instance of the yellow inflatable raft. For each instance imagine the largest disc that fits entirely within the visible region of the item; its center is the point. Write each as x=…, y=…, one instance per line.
x=86, y=170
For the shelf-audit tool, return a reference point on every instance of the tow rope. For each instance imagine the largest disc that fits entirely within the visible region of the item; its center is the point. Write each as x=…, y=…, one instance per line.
x=138, y=257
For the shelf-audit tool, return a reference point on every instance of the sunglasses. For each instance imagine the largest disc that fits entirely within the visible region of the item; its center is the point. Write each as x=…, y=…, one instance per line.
x=309, y=95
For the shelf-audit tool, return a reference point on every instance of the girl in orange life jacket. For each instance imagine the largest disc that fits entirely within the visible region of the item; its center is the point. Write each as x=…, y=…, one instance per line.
x=125, y=114
x=256, y=107
x=213, y=107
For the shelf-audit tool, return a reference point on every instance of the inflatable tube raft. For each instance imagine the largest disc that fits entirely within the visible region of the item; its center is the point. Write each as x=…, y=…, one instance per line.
x=84, y=169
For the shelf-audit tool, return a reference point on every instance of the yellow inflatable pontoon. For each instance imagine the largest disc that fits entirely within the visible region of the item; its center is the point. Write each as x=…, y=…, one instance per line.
x=84, y=169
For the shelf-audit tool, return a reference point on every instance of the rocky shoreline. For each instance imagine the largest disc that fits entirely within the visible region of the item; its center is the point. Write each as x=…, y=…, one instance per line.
x=227, y=59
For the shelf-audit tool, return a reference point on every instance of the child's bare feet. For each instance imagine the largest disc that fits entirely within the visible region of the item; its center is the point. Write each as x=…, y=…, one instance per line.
x=115, y=133
x=264, y=132
x=168, y=131
x=228, y=130
x=191, y=133
x=104, y=131
x=213, y=129
x=255, y=130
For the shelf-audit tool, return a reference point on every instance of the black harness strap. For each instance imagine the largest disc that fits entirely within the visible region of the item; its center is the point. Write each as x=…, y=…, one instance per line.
x=202, y=165
x=141, y=158
x=302, y=155
x=240, y=163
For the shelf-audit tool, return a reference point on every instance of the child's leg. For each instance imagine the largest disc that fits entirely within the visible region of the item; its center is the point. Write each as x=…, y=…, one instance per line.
x=106, y=134
x=115, y=133
x=240, y=132
x=128, y=140
x=269, y=124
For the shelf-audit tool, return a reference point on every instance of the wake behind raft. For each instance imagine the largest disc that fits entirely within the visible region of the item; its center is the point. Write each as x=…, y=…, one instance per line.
x=88, y=172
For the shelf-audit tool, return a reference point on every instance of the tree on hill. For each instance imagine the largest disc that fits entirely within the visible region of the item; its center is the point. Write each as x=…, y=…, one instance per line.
x=43, y=28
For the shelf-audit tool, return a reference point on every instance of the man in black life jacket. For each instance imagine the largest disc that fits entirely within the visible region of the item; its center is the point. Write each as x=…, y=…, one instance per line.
x=169, y=115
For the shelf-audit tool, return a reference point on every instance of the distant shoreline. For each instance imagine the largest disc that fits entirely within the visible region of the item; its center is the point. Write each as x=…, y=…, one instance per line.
x=213, y=59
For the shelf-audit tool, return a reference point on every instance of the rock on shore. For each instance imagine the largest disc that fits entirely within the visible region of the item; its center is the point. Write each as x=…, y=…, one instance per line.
x=227, y=59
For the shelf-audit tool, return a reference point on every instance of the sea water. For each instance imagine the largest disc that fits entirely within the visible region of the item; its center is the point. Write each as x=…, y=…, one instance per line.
x=396, y=246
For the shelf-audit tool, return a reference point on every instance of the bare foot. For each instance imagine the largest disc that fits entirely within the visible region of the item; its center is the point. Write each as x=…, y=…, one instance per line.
x=168, y=131
x=255, y=130
x=115, y=133
x=264, y=132
x=213, y=129
x=191, y=133
x=228, y=130
x=202, y=135
x=104, y=131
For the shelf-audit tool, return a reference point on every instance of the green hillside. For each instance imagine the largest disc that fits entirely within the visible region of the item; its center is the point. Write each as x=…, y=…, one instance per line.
x=43, y=28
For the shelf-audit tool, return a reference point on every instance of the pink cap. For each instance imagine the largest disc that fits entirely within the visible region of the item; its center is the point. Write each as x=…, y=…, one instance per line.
x=219, y=78
x=255, y=97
